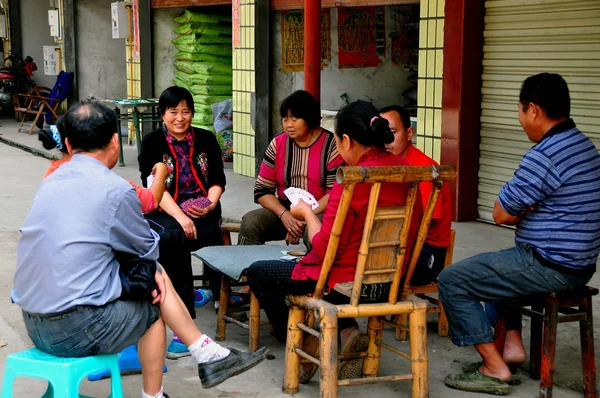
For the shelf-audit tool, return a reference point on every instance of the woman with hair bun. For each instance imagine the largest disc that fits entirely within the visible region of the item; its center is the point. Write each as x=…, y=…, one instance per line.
x=361, y=136
x=55, y=138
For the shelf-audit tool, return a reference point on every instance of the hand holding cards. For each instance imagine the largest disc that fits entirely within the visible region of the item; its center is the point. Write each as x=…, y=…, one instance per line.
x=149, y=181
x=294, y=194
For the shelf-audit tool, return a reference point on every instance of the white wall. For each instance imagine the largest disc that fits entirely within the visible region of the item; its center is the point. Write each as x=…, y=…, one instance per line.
x=162, y=48
x=101, y=65
x=35, y=33
x=381, y=85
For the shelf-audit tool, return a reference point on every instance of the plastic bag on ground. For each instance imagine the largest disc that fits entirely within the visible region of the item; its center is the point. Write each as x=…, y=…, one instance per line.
x=223, y=123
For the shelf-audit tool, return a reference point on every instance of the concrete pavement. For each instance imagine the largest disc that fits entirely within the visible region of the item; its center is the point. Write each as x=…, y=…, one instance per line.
x=21, y=174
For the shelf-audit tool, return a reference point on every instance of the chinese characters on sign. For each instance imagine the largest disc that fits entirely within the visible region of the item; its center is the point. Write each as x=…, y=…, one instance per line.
x=361, y=37
x=292, y=40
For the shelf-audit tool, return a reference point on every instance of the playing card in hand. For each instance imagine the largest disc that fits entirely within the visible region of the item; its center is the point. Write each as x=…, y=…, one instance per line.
x=294, y=194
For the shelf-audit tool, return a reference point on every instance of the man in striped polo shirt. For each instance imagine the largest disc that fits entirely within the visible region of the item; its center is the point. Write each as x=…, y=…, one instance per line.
x=554, y=201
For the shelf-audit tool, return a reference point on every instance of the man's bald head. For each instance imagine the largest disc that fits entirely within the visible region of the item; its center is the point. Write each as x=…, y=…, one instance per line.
x=89, y=126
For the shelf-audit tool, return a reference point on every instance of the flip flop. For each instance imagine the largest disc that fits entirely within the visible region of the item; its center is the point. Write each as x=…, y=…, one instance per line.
x=202, y=297
x=358, y=341
x=239, y=299
x=515, y=379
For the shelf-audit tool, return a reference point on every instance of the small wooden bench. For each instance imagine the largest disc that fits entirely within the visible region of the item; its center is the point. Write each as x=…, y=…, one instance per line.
x=546, y=312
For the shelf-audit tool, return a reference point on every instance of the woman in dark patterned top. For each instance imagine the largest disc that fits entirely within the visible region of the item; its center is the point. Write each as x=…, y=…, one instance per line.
x=193, y=158
x=303, y=156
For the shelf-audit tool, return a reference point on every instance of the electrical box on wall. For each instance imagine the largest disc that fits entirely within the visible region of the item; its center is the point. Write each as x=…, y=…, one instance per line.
x=119, y=20
x=54, y=22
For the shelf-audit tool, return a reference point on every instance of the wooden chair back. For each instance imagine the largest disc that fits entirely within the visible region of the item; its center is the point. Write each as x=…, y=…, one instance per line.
x=386, y=230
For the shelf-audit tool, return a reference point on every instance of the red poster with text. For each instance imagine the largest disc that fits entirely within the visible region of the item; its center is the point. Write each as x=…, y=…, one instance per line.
x=361, y=37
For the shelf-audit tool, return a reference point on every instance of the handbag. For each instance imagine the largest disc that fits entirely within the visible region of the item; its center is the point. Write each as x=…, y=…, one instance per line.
x=137, y=277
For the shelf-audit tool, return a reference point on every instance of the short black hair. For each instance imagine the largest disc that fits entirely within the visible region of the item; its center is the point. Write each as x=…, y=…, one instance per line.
x=172, y=96
x=404, y=115
x=302, y=105
x=361, y=122
x=550, y=92
x=90, y=126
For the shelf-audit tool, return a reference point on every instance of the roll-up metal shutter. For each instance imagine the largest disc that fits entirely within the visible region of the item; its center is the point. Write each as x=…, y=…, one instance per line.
x=522, y=38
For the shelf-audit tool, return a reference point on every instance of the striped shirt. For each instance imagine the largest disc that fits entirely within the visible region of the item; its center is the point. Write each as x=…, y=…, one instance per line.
x=560, y=178
x=286, y=164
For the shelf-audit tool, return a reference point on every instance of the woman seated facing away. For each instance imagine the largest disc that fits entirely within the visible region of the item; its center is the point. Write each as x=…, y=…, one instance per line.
x=361, y=136
x=195, y=172
x=303, y=156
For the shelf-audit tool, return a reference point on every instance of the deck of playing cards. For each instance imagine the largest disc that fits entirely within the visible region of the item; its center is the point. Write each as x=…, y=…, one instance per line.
x=293, y=194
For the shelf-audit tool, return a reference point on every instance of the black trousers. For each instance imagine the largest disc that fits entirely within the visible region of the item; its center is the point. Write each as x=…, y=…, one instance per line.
x=271, y=281
x=175, y=252
x=429, y=265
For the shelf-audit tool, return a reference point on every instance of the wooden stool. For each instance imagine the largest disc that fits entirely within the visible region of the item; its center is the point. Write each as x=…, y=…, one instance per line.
x=546, y=312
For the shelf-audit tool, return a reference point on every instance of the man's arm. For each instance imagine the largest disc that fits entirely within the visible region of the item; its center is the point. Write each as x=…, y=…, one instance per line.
x=130, y=233
x=502, y=217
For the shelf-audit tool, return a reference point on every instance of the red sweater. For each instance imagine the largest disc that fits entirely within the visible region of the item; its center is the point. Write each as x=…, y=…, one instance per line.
x=441, y=221
x=344, y=265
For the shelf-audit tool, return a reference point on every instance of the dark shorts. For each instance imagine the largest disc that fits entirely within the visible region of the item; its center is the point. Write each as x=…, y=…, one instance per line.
x=89, y=330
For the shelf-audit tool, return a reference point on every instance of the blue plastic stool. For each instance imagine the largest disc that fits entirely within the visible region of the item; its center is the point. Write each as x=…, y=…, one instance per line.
x=63, y=374
x=128, y=364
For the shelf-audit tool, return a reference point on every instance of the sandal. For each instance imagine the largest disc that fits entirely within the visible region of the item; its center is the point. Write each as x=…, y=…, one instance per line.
x=475, y=381
x=305, y=377
x=358, y=341
x=202, y=297
x=515, y=379
x=239, y=299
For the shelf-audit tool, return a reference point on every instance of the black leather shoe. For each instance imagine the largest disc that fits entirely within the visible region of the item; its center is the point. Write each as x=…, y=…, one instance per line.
x=216, y=372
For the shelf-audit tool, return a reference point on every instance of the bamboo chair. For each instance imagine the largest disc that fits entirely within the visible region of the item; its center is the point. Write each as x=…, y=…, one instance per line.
x=380, y=260
x=425, y=292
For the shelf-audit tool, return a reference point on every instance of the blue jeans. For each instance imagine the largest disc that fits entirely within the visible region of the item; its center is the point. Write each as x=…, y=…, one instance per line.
x=88, y=330
x=487, y=277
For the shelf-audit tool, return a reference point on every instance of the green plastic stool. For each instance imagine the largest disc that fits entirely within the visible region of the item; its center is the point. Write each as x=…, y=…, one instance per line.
x=63, y=374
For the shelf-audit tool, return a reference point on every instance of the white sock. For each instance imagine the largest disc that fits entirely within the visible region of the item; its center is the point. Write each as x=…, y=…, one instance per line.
x=206, y=350
x=159, y=395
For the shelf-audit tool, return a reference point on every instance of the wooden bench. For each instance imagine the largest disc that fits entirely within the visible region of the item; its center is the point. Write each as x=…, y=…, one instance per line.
x=546, y=312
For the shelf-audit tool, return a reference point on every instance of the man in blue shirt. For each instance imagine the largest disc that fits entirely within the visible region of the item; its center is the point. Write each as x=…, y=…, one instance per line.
x=67, y=278
x=552, y=200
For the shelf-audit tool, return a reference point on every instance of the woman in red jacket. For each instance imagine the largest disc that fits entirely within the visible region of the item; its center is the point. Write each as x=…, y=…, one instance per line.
x=361, y=136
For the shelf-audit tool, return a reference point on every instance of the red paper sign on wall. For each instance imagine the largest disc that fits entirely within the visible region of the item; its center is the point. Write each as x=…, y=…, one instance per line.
x=235, y=17
x=361, y=37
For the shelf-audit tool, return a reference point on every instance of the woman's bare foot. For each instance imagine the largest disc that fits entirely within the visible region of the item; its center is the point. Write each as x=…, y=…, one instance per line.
x=310, y=345
x=499, y=372
x=244, y=289
x=514, y=352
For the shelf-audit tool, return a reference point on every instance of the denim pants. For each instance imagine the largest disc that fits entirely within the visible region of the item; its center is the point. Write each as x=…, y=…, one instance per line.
x=487, y=277
x=89, y=330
